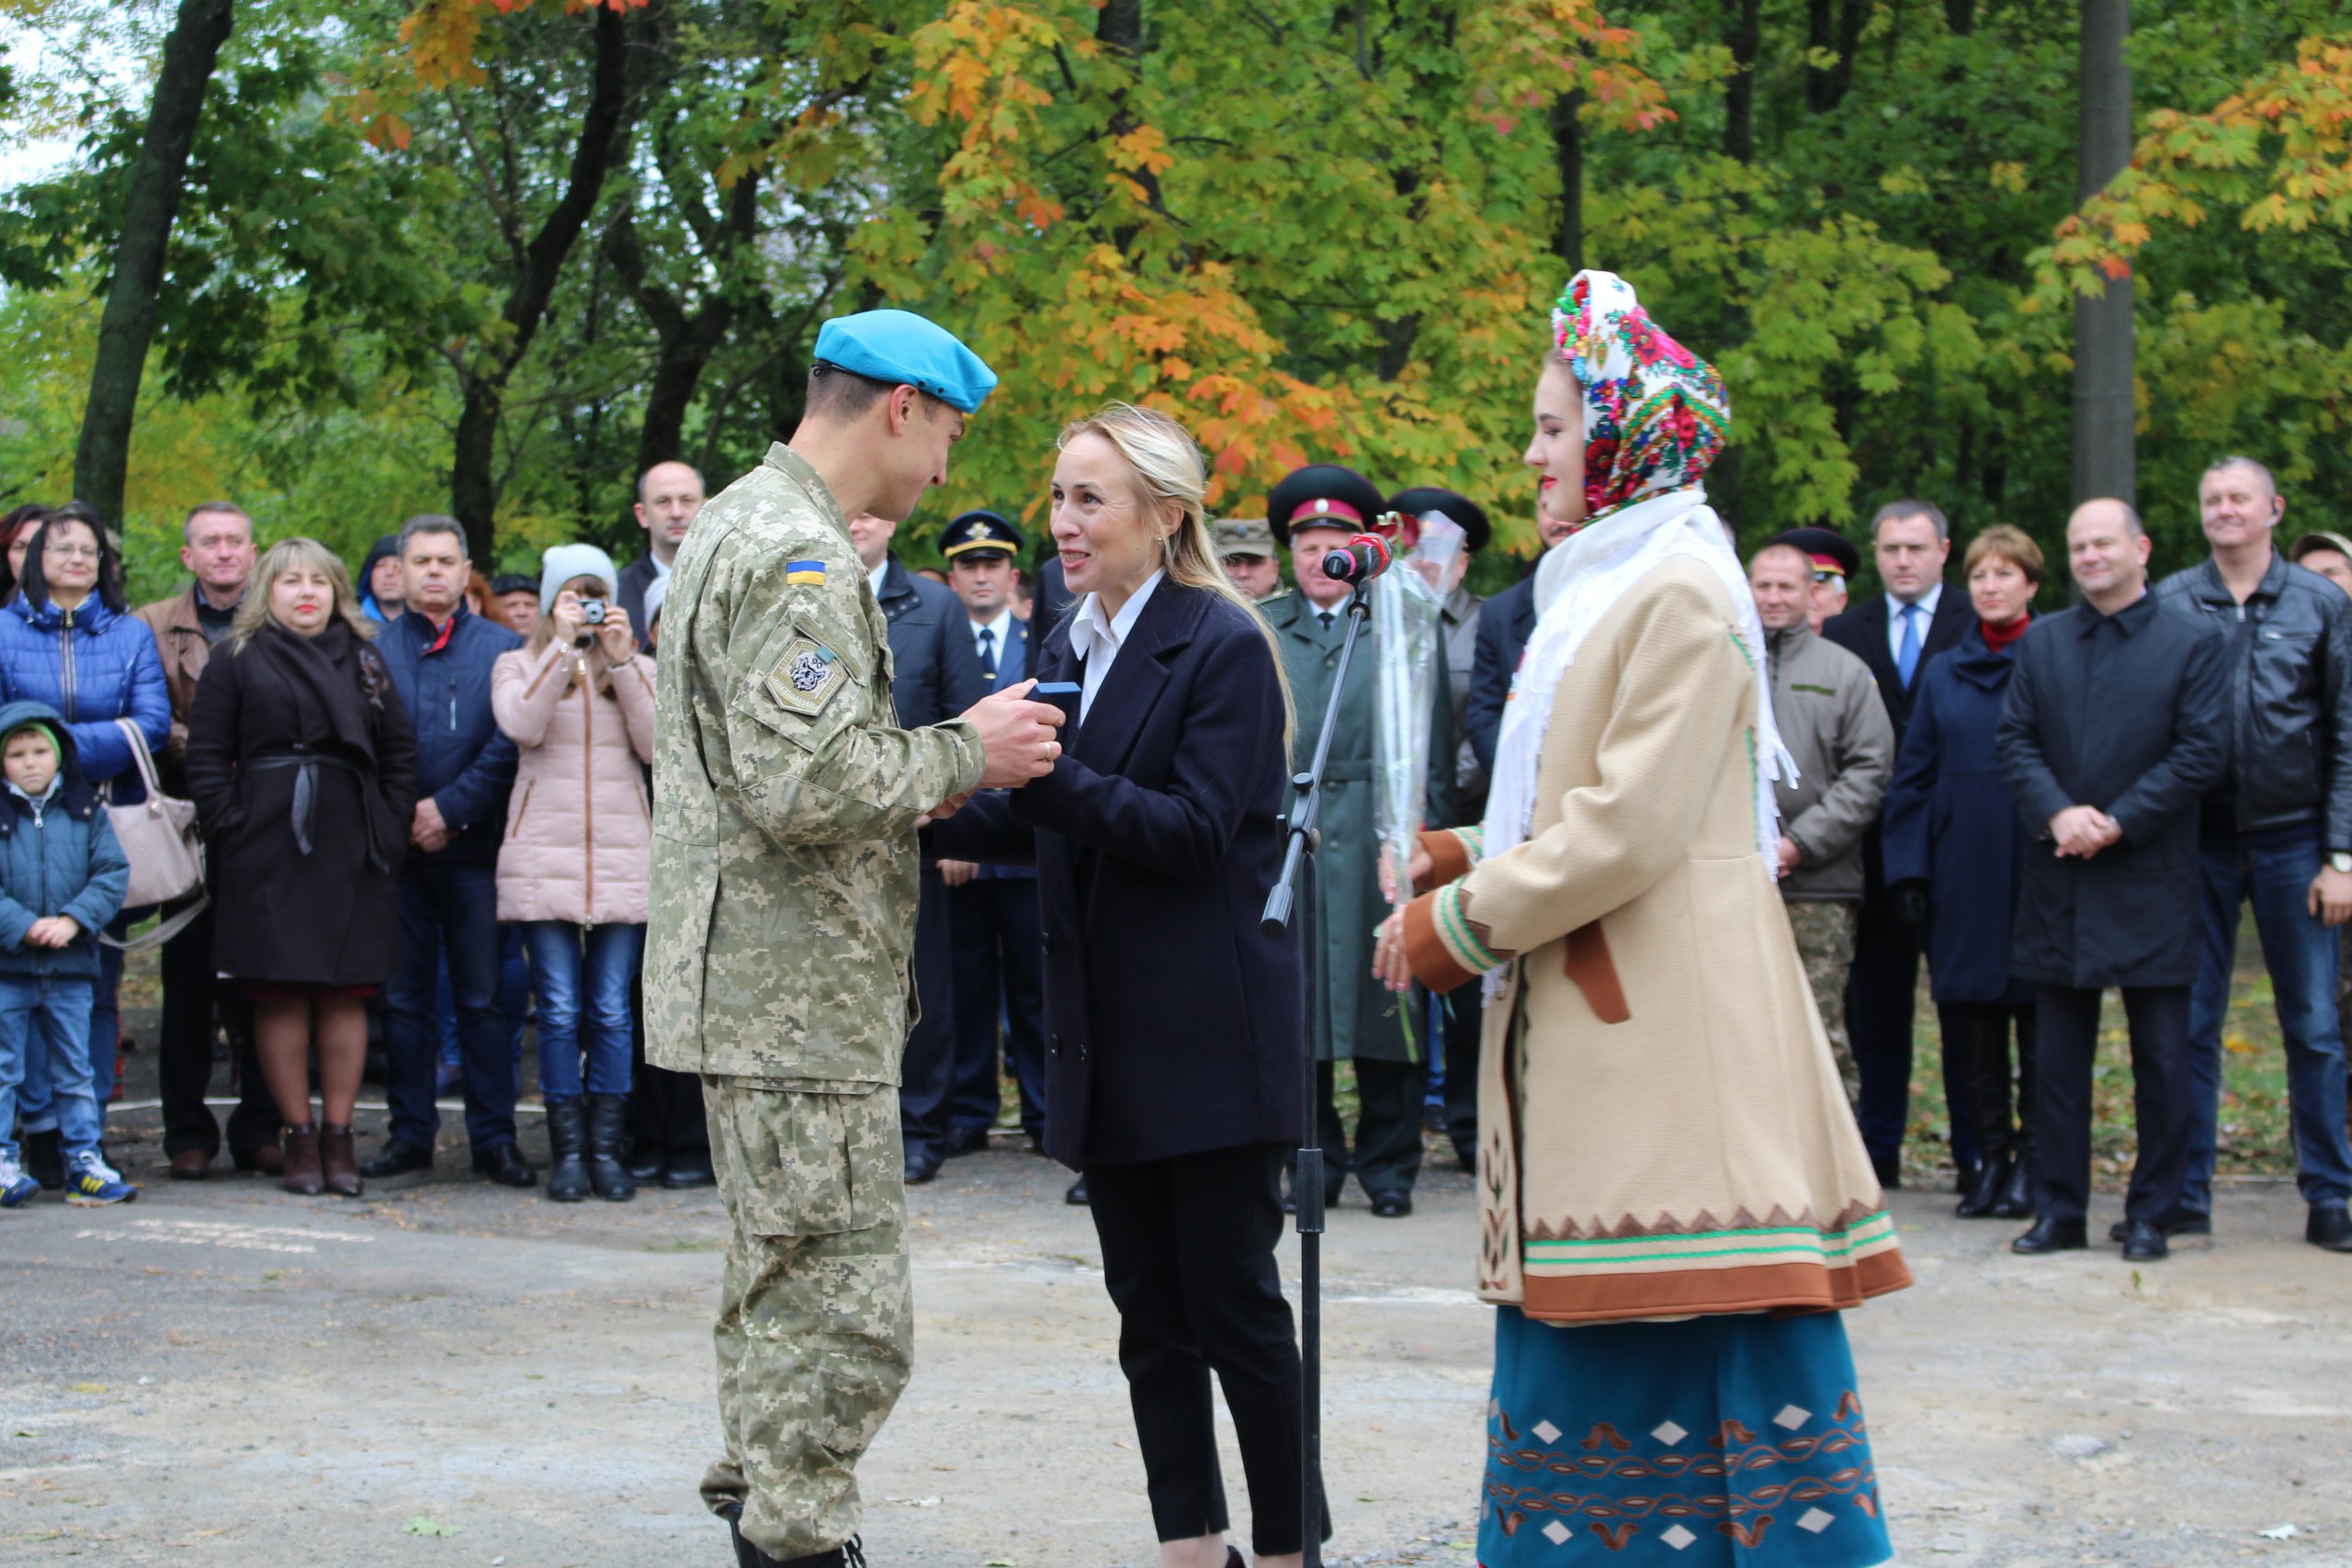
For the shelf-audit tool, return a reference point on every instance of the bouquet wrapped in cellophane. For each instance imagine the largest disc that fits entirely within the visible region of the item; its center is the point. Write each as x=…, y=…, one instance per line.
x=1406, y=601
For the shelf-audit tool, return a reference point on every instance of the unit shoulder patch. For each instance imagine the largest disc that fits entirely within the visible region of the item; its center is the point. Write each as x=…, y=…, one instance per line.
x=804, y=678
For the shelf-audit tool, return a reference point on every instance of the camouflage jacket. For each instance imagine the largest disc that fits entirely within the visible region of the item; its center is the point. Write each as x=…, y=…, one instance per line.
x=785, y=799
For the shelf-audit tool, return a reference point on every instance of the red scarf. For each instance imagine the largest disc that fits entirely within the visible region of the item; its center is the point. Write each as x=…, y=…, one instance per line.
x=1998, y=638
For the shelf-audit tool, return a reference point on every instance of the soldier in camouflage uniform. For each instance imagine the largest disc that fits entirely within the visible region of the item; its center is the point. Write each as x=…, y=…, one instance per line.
x=1833, y=723
x=784, y=877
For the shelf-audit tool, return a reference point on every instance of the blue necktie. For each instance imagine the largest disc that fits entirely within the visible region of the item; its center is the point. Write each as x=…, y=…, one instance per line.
x=1907, y=659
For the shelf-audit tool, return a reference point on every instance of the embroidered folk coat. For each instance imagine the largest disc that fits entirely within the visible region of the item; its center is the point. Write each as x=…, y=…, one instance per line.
x=1661, y=1128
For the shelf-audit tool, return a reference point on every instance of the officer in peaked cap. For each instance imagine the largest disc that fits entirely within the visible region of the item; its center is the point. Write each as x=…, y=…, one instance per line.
x=1835, y=560
x=1353, y=1016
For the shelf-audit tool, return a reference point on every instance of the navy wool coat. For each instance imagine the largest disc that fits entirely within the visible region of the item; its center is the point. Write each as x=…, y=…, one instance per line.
x=2128, y=712
x=1950, y=824
x=1172, y=1026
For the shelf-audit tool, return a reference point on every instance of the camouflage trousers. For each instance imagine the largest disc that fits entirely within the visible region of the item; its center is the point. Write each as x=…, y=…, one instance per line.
x=815, y=1314
x=1825, y=941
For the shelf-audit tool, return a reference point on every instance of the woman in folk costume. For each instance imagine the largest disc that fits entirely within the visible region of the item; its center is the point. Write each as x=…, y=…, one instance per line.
x=1674, y=1203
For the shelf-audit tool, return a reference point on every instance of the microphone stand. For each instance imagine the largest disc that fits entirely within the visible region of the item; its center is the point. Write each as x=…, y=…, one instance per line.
x=1307, y=1187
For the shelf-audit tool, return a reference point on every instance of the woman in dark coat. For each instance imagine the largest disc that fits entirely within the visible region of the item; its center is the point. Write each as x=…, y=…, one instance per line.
x=303, y=770
x=1954, y=847
x=1174, y=1056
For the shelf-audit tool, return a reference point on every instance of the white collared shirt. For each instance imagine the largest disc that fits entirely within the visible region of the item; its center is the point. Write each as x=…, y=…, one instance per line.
x=874, y=579
x=1927, y=603
x=1098, y=642
x=1002, y=625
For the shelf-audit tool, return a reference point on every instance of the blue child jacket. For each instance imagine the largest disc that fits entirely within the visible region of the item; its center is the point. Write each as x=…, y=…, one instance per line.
x=60, y=857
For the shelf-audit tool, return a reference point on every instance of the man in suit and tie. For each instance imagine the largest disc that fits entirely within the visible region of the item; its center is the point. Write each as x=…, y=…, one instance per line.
x=1898, y=634
x=933, y=677
x=997, y=935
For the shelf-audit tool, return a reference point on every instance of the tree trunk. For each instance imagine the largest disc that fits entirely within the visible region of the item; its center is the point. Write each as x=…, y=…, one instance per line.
x=685, y=341
x=1834, y=25
x=1960, y=16
x=102, y=458
x=1567, y=155
x=473, y=484
x=1746, y=37
x=2105, y=456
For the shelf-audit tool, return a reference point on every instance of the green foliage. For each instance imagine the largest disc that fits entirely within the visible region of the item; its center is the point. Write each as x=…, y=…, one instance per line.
x=1311, y=231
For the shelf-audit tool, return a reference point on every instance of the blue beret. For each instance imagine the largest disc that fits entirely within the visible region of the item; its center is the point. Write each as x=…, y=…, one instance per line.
x=901, y=347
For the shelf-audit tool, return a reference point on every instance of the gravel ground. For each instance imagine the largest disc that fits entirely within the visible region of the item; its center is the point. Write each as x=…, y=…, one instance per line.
x=446, y=1373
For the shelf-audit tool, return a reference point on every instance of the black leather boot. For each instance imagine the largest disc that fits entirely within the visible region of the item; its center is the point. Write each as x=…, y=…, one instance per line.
x=1994, y=1176
x=2052, y=1235
x=568, y=1141
x=2015, y=1200
x=851, y=1554
x=607, y=1119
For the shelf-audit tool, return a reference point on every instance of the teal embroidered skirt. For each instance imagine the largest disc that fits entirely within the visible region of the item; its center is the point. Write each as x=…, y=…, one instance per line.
x=1706, y=1443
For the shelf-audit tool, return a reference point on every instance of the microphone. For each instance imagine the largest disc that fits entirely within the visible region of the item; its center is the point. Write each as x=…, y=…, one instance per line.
x=1360, y=560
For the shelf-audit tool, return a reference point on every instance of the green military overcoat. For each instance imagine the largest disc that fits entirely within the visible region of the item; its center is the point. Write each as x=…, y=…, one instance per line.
x=1351, y=1014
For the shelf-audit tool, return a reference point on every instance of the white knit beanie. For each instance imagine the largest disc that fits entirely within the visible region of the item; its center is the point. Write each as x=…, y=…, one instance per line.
x=560, y=563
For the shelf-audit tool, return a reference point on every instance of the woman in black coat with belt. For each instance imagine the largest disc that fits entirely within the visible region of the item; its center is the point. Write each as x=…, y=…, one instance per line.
x=1175, y=1072
x=303, y=770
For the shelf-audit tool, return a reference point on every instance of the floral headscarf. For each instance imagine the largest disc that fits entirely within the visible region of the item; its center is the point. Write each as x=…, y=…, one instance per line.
x=1655, y=415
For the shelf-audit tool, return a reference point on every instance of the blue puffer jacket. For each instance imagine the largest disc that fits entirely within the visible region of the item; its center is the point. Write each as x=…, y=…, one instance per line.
x=57, y=857
x=463, y=761
x=93, y=666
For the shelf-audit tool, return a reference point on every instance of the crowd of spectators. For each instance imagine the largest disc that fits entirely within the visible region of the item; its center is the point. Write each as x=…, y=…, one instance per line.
x=424, y=798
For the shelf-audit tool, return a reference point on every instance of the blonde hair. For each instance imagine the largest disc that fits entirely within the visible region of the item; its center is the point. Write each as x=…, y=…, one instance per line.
x=2005, y=541
x=292, y=555
x=596, y=666
x=1169, y=468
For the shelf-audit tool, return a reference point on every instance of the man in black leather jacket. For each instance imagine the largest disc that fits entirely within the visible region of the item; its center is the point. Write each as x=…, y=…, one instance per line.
x=2278, y=831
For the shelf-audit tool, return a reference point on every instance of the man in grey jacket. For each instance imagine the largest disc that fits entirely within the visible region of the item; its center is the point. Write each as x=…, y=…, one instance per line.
x=1830, y=716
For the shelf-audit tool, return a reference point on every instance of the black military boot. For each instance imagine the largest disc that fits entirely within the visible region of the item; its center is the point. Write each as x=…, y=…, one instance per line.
x=851, y=1554
x=568, y=1141
x=607, y=1118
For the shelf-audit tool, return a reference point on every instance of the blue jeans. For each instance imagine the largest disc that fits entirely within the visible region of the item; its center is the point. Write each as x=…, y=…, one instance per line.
x=450, y=909
x=584, y=1002
x=2275, y=870
x=48, y=1020
x=34, y=1097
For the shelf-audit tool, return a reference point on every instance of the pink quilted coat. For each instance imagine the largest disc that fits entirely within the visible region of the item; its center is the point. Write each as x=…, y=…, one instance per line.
x=579, y=834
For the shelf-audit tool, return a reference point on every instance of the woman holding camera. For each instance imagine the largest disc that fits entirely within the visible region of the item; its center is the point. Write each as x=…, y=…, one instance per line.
x=577, y=700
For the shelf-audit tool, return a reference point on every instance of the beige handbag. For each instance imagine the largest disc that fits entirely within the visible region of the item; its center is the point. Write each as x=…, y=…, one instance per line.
x=159, y=838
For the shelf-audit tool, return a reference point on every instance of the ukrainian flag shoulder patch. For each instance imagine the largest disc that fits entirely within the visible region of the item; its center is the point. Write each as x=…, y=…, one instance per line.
x=811, y=574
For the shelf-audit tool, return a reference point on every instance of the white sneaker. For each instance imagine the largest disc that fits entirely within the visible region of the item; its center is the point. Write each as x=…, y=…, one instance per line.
x=17, y=1189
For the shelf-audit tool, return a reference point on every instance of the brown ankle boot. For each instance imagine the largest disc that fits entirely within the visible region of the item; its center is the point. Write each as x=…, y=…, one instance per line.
x=340, y=1160
x=301, y=1147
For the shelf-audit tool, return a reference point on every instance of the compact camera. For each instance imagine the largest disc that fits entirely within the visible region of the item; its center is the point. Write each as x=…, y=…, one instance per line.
x=592, y=612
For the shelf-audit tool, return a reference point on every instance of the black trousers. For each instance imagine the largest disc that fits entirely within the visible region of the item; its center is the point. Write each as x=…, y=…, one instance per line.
x=192, y=999
x=999, y=971
x=2067, y=1022
x=1464, y=1011
x=1976, y=1036
x=1188, y=1256
x=1386, y=1154
x=927, y=1075
x=1881, y=991
x=665, y=1111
